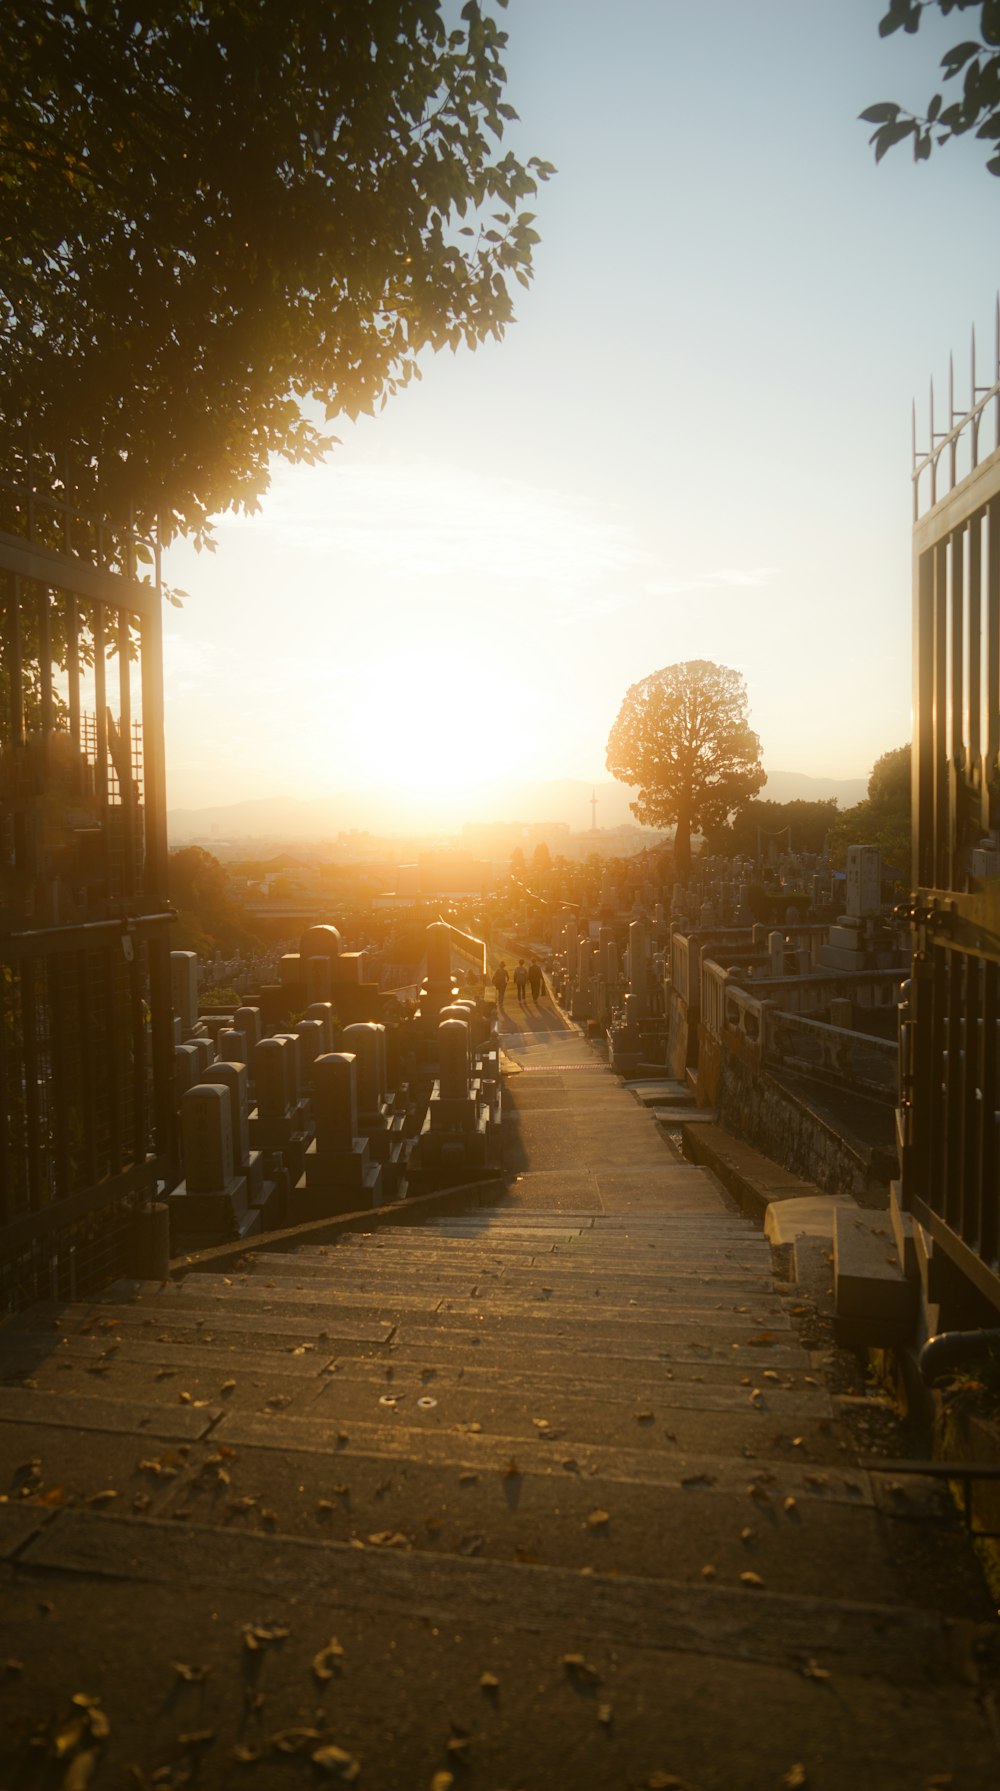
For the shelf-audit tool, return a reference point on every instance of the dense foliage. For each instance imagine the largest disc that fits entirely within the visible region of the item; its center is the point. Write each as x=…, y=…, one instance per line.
x=976, y=60
x=224, y=221
x=883, y=818
x=804, y=825
x=682, y=739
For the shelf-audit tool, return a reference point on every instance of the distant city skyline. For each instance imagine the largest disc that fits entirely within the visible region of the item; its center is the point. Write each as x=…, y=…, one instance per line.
x=695, y=443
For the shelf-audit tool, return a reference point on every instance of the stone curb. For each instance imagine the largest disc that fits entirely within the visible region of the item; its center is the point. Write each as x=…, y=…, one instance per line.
x=322, y=1231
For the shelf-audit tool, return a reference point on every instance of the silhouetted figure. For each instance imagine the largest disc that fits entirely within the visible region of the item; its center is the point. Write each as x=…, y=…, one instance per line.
x=536, y=980
x=521, y=979
x=500, y=981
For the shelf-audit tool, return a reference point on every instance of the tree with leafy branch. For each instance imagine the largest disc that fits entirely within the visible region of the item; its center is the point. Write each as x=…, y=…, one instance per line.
x=976, y=60
x=225, y=223
x=682, y=739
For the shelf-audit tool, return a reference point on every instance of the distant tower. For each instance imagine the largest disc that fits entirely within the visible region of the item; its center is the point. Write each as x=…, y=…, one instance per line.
x=593, y=811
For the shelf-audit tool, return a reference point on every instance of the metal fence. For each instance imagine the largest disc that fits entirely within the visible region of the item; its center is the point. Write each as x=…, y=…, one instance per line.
x=950, y=1100
x=85, y=1039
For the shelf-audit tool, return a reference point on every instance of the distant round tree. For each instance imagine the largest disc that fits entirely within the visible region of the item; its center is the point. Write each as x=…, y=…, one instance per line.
x=683, y=740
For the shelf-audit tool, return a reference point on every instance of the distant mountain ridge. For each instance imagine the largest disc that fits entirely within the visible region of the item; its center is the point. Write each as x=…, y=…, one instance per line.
x=565, y=800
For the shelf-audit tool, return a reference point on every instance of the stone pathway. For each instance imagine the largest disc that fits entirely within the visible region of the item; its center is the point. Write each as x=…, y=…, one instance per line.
x=547, y=1495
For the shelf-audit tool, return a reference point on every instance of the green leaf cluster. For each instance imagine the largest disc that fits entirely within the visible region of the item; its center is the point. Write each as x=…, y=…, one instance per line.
x=225, y=220
x=682, y=738
x=883, y=819
x=976, y=60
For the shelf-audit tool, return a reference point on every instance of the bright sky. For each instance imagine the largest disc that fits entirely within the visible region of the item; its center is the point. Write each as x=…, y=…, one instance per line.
x=694, y=443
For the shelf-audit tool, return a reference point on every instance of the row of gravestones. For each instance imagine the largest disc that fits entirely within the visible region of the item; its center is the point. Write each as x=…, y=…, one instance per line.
x=275, y=1130
x=283, y=1129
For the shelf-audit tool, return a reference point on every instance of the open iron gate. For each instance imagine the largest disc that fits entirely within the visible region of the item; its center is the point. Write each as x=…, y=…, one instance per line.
x=950, y=1097
x=85, y=1027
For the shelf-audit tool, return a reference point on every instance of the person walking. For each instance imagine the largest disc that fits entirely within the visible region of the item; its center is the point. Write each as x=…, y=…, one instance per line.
x=500, y=981
x=536, y=980
x=521, y=980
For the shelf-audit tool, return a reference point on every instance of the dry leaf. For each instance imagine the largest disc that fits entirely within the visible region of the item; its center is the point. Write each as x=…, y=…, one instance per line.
x=540, y=1423
x=190, y=1675
x=665, y=1781
x=257, y=1635
x=245, y=1754
x=813, y=1670
x=751, y=1579
x=467, y=1478
x=80, y=1771
x=790, y=1504
x=442, y=1781
x=489, y=1682
x=184, y=1399
x=598, y=1519
x=708, y=1571
x=605, y=1714
x=327, y=1661
x=102, y=1498
x=336, y=1762
x=389, y=1539
x=644, y=1417
x=69, y=1737
x=293, y=1741
x=581, y=1669
x=227, y=1387
x=795, y=1777
x=13, y=1666
x=747, y=1534
x=196, y=1738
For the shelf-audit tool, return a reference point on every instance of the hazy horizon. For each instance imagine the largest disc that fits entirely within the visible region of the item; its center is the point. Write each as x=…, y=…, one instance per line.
x=694, y=443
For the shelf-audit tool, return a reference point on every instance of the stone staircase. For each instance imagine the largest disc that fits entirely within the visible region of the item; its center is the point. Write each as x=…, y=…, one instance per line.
x=524, y=1498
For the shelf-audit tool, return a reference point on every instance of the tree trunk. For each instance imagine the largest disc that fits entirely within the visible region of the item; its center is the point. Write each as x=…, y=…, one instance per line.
x=682, y=847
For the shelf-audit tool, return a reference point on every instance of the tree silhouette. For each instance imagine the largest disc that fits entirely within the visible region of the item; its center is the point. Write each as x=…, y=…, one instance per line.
x=683, y=740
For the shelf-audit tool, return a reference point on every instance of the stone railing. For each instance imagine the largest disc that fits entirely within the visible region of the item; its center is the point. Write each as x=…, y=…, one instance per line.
x=815, y=1048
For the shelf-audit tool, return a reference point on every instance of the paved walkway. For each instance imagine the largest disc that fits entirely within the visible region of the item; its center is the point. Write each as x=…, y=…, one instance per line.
x=548, y=1495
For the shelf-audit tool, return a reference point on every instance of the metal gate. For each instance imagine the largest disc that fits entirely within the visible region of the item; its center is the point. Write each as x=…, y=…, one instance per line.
x=950, y=1097
x=85, y=1039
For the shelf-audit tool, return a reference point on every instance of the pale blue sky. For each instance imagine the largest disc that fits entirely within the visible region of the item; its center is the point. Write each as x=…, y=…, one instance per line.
x=695, y=442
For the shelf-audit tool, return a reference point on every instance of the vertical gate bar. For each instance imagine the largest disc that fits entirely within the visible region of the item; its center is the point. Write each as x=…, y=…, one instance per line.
x=13, y=586
x=125, y=779
x=991, y=647
x=32, y=1121
x=55, y=970
x=989, y=1107
x=45, y=656
x=967, y=1216
x=73, y=667
x=956, y=731
x=975, y=753
x=6, y=1071
x=85, y=1044
x=938, y=721
x=112, y=1054
x=154, y=778
x=101, y=712
x=140, y=1123
x=923, y=697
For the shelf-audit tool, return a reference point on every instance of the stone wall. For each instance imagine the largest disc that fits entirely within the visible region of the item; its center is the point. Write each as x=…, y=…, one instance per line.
x=755, y=1105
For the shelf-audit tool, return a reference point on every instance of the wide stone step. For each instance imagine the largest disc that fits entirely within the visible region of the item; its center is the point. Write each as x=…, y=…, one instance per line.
x=671, y=1679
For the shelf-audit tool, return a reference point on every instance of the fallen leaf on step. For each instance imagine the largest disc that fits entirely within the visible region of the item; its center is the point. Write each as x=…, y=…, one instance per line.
x=511, y=1471
x=795, y=1777
x=227, y=1387
x=666, y=1781
x=164, y=1374
x=763, y=1340
x=245, y=1754
x=817, y=1479
x=771, y=1374
x=540, y=1423
x=467, y=1477
x=294, y=1741
x=184, y=1399
x=698, y=1480
x=751, y=1579
x=597, y=1520
x=268, y=1518
x=789, y=1505
x=812, y=1670
x=605, y=1714
x=337, y=1762
x=471, y=1545
x=708, y=1572
x=80, y=1771
x=190, y=1675
x=580, y=1669
x=747, y=1534
x=389, y=1539
x=489, y=1682
x=644, y=1417
x=196, y=1738
x=760, y=1493
x=258, y=1635
x=442, y=1781
x=327, y=1662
